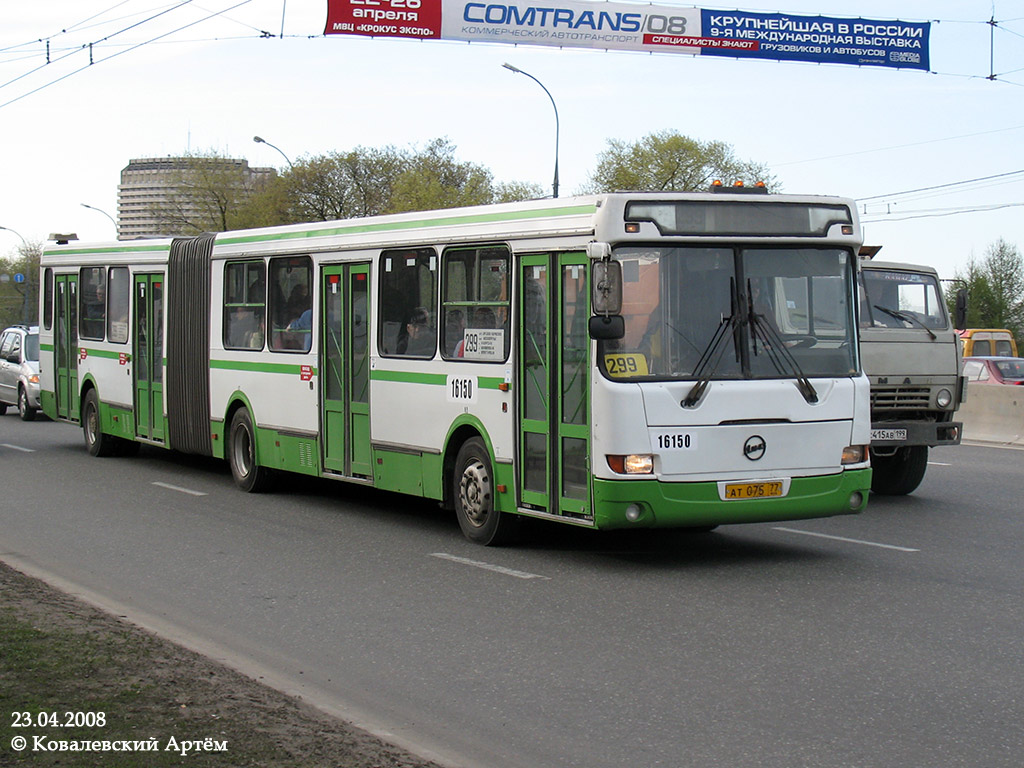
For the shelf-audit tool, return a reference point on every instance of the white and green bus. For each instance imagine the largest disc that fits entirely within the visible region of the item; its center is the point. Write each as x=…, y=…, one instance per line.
x=610, y=361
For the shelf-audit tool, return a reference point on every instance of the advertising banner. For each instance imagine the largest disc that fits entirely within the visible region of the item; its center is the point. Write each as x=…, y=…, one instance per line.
x=633, y=27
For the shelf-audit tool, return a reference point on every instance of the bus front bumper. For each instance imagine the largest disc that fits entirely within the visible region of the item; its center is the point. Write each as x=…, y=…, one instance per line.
x=657, y=504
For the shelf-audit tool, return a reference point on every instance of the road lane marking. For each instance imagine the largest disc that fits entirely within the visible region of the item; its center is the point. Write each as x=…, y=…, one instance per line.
x=18, y=448
x=938, y=464
x=488, y=566
x=179, y=489
x=849, y=541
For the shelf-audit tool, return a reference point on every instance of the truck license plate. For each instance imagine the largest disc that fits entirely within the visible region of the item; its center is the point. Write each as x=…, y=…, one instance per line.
x=753, y=490
x=888, y=434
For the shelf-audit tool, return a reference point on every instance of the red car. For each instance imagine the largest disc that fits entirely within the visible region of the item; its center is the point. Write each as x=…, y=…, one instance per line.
x=994, y=370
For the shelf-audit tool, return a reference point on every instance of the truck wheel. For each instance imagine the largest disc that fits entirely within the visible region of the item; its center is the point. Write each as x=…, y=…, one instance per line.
x=473, y=494
x=901, y=473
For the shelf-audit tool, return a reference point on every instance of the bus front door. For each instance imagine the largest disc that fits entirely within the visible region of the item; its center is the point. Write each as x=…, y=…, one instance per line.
x=345, y=370
x=148, y=354
x=553, y=384
x=65, y=353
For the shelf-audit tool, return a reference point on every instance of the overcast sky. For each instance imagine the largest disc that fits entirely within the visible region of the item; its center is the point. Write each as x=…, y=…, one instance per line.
x=823, y=129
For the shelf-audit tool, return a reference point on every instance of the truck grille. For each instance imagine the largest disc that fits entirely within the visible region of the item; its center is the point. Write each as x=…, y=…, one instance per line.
x=895, y=398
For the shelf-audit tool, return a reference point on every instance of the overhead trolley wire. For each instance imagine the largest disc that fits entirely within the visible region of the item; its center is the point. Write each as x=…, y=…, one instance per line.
x=88, y=47
x=126, y=50
x=940, y=186
x=67, y=29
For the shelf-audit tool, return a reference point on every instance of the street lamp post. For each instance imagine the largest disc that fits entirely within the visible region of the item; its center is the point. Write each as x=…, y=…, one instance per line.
x=100, y=210
x=8, y=229
x=554, y=185
x=260, y=140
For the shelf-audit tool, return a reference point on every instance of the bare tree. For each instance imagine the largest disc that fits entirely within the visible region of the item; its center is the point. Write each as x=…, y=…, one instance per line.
x=210, y=194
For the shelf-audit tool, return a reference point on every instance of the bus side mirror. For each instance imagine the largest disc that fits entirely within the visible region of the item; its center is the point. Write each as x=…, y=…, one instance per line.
x=607, y=327
x=960, y=318
x=607, y=287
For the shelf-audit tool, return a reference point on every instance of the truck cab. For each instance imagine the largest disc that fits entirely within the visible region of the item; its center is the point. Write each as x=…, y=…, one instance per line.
x=910, y=352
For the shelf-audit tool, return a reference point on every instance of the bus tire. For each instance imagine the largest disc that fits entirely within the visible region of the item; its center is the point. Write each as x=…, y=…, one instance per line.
x=900, y=473
x=26, y=411
x=96, y=442
x=248, y=475
x=473, y=495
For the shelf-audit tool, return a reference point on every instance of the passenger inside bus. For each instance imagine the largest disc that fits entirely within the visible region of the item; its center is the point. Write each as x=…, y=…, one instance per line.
x=420, y=341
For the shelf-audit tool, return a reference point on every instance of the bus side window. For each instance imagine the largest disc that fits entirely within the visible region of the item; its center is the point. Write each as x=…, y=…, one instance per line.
x=408, y=303
x=48, y=298
x=291, y=304
x=119, y=295
x=93, y=296
x=245, y=299
x=476, y=303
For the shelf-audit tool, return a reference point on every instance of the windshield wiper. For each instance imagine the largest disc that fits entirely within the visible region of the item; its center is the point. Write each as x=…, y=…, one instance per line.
x=694, y=395
x=778, y=352
x=906, y=319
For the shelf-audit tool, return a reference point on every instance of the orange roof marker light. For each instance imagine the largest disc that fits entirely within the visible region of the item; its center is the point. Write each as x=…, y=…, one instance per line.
x=739, y=188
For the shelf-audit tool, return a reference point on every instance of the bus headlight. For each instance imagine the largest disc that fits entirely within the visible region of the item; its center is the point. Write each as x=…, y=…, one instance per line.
x=633, y=464
x=944, y=398
x=854, y=454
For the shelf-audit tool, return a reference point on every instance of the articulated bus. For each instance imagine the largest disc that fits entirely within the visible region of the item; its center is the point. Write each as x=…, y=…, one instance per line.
x=612, y=361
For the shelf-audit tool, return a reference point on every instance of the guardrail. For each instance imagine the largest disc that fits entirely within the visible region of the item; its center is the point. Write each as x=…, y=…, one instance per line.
x=993, y=413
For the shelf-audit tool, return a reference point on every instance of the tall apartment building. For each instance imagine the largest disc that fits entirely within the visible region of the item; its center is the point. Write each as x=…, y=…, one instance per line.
x=157, y=194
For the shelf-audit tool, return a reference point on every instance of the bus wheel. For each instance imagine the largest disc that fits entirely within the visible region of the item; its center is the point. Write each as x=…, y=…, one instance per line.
x=901, y=473
x=249, y=476
x=26, y=411
x=473, y=493
x=97, y=443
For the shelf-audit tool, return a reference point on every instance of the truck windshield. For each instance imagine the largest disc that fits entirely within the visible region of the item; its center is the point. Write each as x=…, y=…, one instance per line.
x=896, y=299
x=695, y=313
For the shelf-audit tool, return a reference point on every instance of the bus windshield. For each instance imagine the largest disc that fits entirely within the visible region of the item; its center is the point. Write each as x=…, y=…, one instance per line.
x=733, y=313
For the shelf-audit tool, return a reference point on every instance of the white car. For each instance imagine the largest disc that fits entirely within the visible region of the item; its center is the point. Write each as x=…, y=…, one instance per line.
x=19, y=370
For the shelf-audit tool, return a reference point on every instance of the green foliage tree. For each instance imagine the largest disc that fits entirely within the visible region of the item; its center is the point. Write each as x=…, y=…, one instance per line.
x=514, y=191
x=669, y=161
x=367, y=181
x=995, y=289
x=343, y=185
x=433, y=178
x=19, y=302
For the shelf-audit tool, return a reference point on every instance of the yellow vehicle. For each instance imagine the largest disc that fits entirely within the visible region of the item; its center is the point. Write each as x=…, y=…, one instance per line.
x=983, y=342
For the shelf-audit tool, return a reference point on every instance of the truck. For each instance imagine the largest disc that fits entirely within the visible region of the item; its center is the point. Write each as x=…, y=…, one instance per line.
x=910, y=351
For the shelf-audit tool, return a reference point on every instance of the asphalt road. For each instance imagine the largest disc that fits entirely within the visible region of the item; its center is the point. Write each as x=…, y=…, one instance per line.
x=894, y=638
